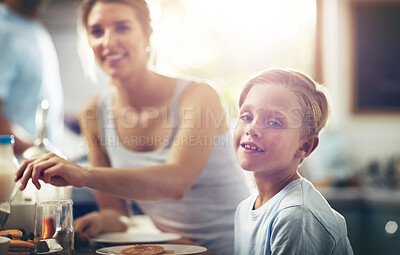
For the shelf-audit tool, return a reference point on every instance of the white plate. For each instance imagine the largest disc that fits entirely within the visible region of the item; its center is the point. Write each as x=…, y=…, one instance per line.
x=49, y=252
x=179, y=249
x=126, y=237
x=54, y=246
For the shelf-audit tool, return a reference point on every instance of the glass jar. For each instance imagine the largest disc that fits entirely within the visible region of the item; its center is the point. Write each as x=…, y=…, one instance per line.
x=8, y=168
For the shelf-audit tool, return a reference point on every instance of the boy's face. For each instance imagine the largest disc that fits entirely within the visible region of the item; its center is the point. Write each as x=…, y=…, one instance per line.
x=267, y=135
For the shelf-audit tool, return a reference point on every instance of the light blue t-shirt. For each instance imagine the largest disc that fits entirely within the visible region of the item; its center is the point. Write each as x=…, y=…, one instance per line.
x=29, y=72
x=297, y=220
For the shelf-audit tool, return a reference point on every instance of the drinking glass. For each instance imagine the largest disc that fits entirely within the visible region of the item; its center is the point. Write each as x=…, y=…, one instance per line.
x=54, y=231
x=4, y=243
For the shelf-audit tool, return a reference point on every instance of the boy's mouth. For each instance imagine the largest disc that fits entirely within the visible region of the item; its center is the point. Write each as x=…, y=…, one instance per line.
x=251, y=146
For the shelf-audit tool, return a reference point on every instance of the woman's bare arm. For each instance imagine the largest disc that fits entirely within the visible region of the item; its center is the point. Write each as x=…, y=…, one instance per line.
x=199, y=108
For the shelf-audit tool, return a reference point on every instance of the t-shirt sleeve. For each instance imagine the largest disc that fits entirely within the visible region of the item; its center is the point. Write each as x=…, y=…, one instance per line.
x=297, y=231
x=7, y=66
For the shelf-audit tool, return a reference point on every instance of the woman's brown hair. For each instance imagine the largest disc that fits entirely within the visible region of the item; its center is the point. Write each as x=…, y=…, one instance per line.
x=140, y=6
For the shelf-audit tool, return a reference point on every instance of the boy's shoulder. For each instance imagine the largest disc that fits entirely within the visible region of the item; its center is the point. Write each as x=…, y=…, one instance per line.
x=303, y=201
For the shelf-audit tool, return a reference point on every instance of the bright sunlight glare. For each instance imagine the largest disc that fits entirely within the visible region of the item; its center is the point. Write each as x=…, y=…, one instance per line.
x=220, y=39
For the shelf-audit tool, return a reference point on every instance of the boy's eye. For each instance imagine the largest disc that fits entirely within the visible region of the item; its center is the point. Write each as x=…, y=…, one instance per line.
x=274, y=124
x=245, y=117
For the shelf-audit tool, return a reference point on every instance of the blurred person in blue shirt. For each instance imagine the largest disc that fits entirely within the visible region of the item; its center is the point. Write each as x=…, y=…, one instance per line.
x=29, y=73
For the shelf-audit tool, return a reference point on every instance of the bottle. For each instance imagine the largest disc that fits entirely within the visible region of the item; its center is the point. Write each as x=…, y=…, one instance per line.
x=41, y=142
x=8, y=168
x=42, y=146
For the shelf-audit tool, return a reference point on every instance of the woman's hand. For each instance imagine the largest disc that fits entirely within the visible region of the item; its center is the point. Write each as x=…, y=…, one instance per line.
x=106, y=220
x=87, y=226
x=51, y=169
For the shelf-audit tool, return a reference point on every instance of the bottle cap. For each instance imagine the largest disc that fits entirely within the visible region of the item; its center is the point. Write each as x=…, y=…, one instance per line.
x=7, y=139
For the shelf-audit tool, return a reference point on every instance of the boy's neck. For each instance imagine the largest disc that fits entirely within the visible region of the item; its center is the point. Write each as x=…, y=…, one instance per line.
x=269, y=187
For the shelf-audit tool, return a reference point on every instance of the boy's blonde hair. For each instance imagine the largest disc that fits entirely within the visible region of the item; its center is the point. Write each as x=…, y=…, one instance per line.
x=313, y=101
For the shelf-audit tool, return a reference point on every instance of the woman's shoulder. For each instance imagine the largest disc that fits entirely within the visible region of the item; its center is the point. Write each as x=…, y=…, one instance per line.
x=203, y=100
x=199, y=89
x=200, y=85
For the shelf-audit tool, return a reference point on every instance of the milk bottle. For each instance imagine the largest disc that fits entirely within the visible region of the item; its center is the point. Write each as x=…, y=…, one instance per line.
x=8, y=167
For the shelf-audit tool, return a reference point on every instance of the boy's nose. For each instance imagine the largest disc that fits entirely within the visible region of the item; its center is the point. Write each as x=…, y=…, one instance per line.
x=253, y=131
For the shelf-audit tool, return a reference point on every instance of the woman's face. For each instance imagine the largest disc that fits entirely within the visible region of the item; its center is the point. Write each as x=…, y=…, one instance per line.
x=117, y=39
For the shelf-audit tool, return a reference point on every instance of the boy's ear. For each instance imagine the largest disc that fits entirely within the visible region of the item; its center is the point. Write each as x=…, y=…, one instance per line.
x=308, y=146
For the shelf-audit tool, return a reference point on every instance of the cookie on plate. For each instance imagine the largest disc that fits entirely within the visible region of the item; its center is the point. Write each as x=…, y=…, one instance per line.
x=143, y=250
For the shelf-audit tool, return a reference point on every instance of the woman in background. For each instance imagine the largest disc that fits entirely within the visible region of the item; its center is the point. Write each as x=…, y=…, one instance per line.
x=158, y=140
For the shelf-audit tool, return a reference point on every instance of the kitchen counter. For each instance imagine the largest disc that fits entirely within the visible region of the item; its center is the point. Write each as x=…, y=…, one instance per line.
x=367, y=194
x=372, y=215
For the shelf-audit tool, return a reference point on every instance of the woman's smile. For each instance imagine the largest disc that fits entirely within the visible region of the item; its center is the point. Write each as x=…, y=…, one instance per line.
x=114, y=58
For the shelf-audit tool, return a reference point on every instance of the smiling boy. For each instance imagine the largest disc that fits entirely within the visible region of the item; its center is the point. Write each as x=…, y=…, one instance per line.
x=282, y=112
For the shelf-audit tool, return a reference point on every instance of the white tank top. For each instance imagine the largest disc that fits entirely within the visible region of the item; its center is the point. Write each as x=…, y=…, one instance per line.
x=206, y=213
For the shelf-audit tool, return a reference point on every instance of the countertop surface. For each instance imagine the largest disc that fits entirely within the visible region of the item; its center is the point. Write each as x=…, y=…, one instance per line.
x=369, y=195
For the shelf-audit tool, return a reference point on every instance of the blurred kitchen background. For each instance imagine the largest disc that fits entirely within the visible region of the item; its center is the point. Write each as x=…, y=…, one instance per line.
x=351, y=46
